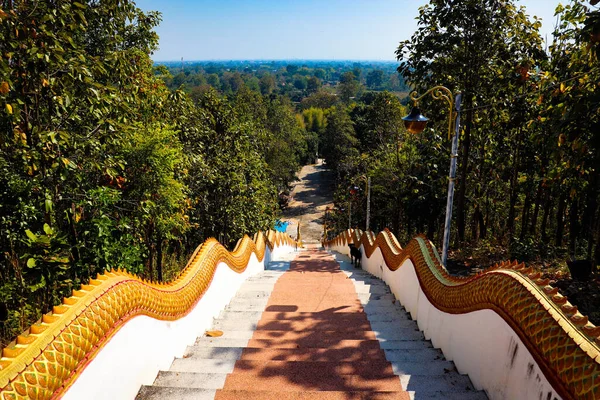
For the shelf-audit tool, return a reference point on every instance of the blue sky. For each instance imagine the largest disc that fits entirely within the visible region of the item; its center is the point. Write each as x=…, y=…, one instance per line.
x=293, y=29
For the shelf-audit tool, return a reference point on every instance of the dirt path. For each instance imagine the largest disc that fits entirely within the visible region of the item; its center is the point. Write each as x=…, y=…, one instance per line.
x=310, y=197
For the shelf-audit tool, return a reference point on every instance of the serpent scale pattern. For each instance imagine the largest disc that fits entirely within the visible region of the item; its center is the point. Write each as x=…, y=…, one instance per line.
x=43, y=362
x=563, y=342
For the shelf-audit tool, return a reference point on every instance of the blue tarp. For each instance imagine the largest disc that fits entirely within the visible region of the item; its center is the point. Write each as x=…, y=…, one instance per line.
x=281, y=226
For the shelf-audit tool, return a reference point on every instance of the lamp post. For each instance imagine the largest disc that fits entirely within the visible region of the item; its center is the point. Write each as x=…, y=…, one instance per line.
x=415, y=122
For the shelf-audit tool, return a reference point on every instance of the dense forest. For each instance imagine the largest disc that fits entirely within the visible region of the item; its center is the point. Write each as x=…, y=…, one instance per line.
x=103, y=166
x=295, y=80
x=529, y=154
x=108, y=160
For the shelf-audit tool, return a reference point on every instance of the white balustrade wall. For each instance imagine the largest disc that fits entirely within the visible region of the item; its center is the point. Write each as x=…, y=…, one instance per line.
x=480, y=343
x=144, y=345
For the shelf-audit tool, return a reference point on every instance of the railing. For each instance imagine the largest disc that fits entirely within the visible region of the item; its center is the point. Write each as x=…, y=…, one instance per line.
x=512, y=332
x=47, y=359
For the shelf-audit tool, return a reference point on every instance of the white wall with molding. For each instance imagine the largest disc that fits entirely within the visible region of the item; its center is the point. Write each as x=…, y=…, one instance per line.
x=144, y=345
x=480, y=343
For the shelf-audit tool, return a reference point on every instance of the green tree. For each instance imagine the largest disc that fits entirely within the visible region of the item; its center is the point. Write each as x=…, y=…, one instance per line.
x=375, y=79
x=155, y=162
x=74, y=79
x=300, y=82
x=348, y=86
x=469, y=46
x=313, y=84
x=213, y=80
x=320, y=99
x=339, y=143
x=267, y=84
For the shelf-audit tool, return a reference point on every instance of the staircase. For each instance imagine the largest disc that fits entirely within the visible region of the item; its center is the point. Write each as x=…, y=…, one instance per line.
x=321, y=330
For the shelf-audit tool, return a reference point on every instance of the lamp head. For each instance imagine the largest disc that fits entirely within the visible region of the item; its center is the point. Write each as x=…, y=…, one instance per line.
x=415, y=122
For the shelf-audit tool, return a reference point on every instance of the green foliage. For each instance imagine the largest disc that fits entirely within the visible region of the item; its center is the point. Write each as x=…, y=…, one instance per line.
x=375, y=79
x=103, y=167
x=349, y=86
x=338, y=144
x=294, y=81
x=528, y=180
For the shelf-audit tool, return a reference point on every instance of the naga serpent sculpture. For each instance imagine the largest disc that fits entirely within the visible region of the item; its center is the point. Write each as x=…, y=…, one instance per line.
x=563, y=342
x=44, y=361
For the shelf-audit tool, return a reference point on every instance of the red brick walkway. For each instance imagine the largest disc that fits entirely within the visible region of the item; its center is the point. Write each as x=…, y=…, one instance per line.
x=314, y=341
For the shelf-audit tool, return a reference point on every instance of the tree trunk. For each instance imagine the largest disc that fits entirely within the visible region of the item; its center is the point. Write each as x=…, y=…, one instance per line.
x=151, y=250
x=464, y=168
x=478, y=229
x=431, y=228
x=589, y=215
x=396, y=220
x=573, y=227
x=547, y=204
x=510, y=223
x=525, y=214
x=597, y=256
x=560, y=220
x=159, y=259
x=74, y=239
x=536, y=209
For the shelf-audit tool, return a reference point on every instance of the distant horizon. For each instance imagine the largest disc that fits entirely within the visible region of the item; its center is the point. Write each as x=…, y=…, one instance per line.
x=279, y=59
x=334, y=30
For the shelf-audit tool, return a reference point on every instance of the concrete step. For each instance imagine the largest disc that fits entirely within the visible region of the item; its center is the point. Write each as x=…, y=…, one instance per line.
x=371, y=289
x=446, y=395
x=231, y=316
x=233, y=334
x=382, y=303
x=264, y=276
x=326, y=377
x=293, y=316
x=252, y=294
x=162, y=393
x=349, y=318
x=422, y=355
x=442, y=383
x=312, y=343
x=259, y=285
x=371, y=308
x=206, y=365
x=309, y=395
x=261, y=301
x=246, y=315
x=263, y=279
x=194, y=380
x=428, y=368
x=293, y=354
x=312, y=325
x=334, y=352
x=366, y=297
x=395, y=315
x=286, y=382
x=397, y=323
x=220, y=353
x=399, y=334
x=246, y=305
x=364, y=367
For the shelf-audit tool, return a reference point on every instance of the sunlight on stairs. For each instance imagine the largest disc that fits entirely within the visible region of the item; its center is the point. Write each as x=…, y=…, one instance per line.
x=314, y=332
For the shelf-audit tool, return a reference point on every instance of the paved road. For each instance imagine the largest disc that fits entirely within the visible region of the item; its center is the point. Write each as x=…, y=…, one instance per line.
x=311, y=195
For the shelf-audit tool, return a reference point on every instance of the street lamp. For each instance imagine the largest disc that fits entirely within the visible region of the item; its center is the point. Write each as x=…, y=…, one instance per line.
x=415, y=122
